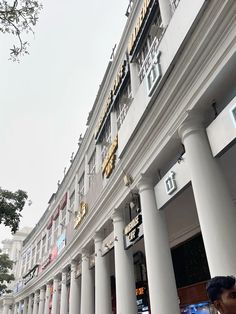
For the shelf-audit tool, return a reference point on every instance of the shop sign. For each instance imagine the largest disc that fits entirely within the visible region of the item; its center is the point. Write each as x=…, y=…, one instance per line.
x=140, y=291
x=54, y=253
x=138, y=25
x=81, y=214
x=61, y=243
x=31, y=274
x=46, y=262
x=170, y=183
x=109, y=161
x=133, y=231
x=112, y=94
x=233, y=115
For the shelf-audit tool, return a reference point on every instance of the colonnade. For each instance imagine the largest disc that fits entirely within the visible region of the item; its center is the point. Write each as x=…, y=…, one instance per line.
x=91, y=294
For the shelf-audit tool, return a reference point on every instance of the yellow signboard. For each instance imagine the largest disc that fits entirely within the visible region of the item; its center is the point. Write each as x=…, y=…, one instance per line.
x=109, y=161
x=138, y=24
x=81, y=214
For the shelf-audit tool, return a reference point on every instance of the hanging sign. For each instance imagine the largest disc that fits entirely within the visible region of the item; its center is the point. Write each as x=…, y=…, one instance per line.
x=133, y=231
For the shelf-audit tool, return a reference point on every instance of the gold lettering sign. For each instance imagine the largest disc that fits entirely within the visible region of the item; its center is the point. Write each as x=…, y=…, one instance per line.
x=81, y=214
x=140, y=291
x=134, y=223
x=133, y=234
x=109, y=161
x=115, y=86
x=138, y=24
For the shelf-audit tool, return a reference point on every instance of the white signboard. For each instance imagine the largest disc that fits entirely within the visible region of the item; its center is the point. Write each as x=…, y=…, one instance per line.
x=172, y=183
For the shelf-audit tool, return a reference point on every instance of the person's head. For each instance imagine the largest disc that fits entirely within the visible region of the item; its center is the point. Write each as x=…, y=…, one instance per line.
x=221, y=291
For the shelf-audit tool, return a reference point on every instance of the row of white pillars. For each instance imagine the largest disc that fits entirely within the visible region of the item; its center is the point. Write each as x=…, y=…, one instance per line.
x=217, y=216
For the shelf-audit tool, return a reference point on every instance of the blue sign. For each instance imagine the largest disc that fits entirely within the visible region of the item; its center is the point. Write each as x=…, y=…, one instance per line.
x=61, y=243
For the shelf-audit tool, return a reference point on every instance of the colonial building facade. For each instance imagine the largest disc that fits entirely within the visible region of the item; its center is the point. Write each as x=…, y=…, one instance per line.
x=146, y=213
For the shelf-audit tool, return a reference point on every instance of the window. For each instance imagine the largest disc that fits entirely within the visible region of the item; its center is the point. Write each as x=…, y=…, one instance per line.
x=56, y=228
x=38, y=250
x=81, y=187
x=154, y=33
x=123, y=104
x=63, y=217
x=49, y=237
x=44, y=245
x=72, y=198
x=106, y=138
x=27, y=266
x=32, y=257
x=23, y=264
x=92, y=166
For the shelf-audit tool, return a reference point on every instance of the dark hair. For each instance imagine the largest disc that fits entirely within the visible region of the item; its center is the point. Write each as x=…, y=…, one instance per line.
x=216, y=285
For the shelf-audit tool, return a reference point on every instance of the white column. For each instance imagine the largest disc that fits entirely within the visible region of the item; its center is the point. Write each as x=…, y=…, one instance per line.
x=5, y=307
x=75, y=291
x=25, y=306
x=216, y=211
x=35, y=307
x=15, y=308
x=64, y=295
x=124, y=270
x=102, y=279
x=165, y=9
x=41, y=300
x=113, y=125
x=55, y=295
x=98, y=157
x=87, y=286
x=19, y=308
x=30, y=304
x=47, y=299
x=134, y=78
x=10, y=311
x=158, y=255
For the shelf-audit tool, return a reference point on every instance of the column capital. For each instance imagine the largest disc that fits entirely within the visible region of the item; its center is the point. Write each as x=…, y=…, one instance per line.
x=73, y=265
x=145, y=183
x=117, y=216
x=98, y=237
x=85, y=253
x=193, y=124
x=43, y=288
x=64, y=271
x=7, y=301
x=56, y=279
x=63, y=277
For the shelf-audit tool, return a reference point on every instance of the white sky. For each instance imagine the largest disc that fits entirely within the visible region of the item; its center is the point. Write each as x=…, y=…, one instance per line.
x=46, y=98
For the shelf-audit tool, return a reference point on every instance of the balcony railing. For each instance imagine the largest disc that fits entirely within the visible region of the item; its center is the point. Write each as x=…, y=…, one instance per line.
x=150, y=69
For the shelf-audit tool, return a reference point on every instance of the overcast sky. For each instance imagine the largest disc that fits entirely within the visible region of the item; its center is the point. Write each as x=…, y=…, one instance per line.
x=46, y=98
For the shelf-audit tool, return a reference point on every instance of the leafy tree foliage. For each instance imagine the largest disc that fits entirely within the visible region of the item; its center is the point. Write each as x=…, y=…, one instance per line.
x=11, y=204
x=5, y=277
x=17, y=18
